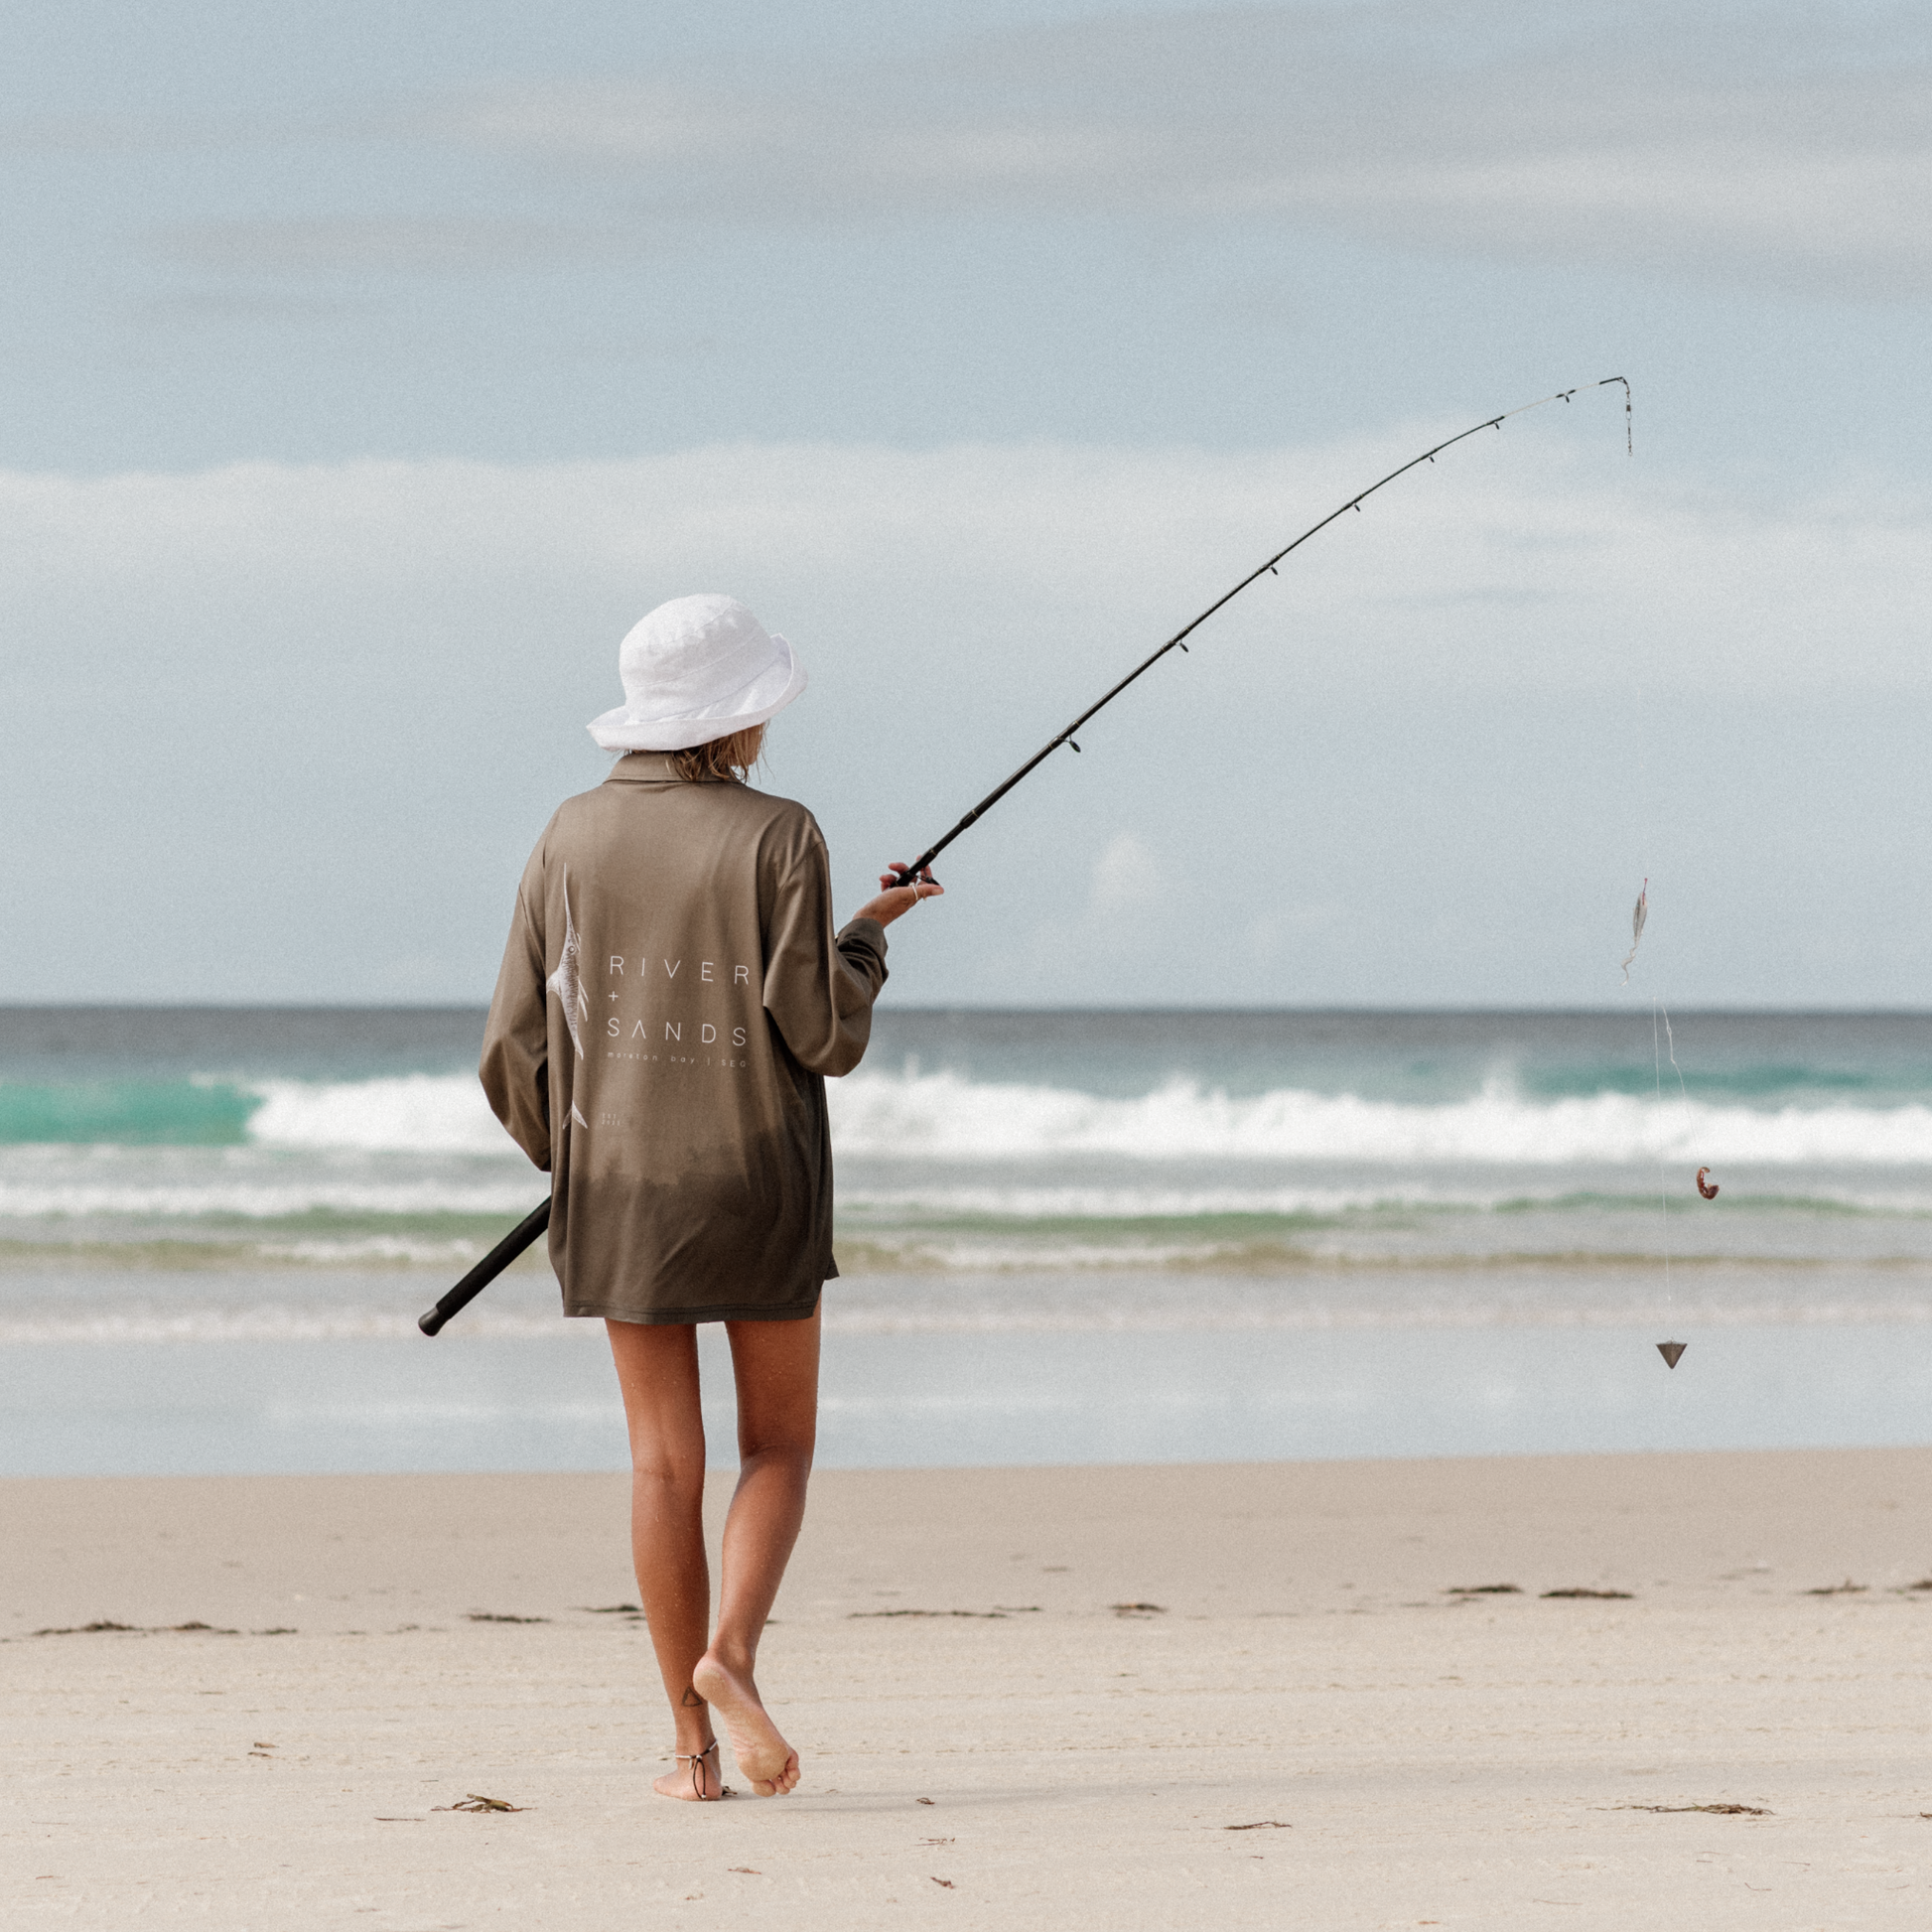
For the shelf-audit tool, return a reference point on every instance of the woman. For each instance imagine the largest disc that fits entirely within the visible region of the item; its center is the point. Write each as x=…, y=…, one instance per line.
x=672, y=999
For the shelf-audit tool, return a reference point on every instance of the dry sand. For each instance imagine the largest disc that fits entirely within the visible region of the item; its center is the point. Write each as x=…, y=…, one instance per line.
x=1310, y=1731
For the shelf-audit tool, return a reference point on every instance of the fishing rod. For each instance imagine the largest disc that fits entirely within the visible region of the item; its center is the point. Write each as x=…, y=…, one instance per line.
x=527, y=1231
x=493, y=1264
x=906, y=875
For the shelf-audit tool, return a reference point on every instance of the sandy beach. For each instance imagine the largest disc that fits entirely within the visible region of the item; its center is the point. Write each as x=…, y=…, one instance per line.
x=997, y=1723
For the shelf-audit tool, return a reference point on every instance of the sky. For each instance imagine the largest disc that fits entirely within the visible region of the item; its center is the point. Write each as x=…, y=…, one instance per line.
x=372, y=370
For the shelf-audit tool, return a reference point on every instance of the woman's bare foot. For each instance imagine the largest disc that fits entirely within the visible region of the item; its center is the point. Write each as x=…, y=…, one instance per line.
x=694, y=1778
x=768, y=1764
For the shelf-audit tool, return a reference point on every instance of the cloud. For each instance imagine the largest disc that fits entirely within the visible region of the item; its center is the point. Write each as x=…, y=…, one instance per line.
x=122, y=133
x=194, y=308
x=1529, y=558
x=1125, y=878
x=309, y=708
x=419, y=244
x=1789, y=146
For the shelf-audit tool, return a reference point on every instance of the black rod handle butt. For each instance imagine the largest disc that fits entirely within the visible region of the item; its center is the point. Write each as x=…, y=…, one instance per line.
x=525, y=1232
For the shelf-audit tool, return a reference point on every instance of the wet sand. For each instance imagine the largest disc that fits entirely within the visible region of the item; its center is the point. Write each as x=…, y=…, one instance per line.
x=1294, y=1721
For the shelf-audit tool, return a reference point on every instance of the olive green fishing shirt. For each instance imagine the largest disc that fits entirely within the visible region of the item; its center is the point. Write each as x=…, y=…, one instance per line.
x=672, y=999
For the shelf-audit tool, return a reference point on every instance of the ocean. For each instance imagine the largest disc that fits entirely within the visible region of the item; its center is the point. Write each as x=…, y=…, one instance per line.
x=1063, y=1237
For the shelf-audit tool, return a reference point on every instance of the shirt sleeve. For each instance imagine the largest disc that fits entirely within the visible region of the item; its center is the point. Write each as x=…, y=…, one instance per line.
x=818, y=986
x=515, y=1069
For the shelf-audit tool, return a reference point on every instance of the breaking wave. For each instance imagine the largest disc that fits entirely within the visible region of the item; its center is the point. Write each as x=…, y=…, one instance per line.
x=411, y=1113
x=941, y=1115
x=946, y=1115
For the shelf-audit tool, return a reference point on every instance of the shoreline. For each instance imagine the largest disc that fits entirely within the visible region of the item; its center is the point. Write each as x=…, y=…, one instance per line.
x=908, y=1394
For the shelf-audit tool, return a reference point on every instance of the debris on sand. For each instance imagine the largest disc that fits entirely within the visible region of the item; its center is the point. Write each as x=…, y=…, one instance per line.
x=151, y=1630
x=1600, y=1595
x=476, y=1801
x=1138, y=1609
x=1262, y=1825
x=1718, y=1811
x=995, y=1614
x=1485, y=1590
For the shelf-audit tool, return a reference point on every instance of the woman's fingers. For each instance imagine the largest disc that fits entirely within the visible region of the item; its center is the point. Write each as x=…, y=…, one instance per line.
x=894, y=899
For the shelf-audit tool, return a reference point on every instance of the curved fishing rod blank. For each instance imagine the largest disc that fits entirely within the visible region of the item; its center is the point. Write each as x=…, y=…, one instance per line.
x=906, y=875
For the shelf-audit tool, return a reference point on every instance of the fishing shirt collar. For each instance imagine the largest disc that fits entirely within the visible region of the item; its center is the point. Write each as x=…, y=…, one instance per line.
x=644, y=769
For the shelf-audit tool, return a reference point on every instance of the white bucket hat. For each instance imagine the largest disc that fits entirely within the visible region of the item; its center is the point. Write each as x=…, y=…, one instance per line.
x=697, y=668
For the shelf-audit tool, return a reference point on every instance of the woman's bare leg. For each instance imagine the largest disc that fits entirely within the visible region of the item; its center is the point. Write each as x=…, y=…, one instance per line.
x=775, y=1366
x=657, y=1369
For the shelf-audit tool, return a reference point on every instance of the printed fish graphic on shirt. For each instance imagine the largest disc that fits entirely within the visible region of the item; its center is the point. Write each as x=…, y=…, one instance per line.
x=566, y=981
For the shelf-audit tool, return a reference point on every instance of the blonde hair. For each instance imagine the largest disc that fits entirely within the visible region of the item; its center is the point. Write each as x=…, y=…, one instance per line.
x=723, y=761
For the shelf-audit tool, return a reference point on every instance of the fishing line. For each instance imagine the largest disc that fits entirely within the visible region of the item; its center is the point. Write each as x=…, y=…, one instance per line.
x=1640, y=796
x=1670, y=1048
x=1662, y=1044
x=1663, y=1186
x=906, y=875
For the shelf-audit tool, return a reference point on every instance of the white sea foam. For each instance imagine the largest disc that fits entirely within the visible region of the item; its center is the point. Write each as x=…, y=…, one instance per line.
x=864, y=1205
x=414, y=1113
x=369, y=1248
x=941, y=1115
x=250, y=1198
x=945, y=1116
x=146, y=1324
x=1199, y=1303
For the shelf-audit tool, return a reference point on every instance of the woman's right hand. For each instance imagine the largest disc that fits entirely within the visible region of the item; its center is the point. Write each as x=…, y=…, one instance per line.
x=893, y=900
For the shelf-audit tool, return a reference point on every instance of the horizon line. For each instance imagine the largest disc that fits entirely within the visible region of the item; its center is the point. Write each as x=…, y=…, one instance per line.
x=1633, y=1009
